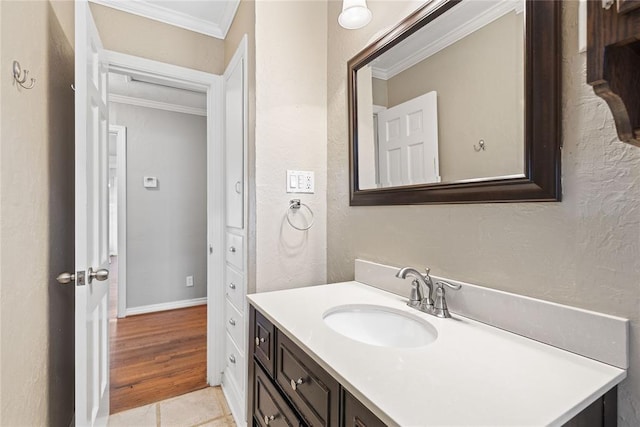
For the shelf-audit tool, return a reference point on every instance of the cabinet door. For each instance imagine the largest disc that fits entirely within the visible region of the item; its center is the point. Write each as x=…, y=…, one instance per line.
x=262, y=340
x=269, y=408
x=601, y=413
x=355, y=414
x=234, y=143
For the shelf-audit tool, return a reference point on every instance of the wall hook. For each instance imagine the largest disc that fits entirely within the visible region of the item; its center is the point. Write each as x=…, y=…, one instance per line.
x=21, y=77
x=481, y=146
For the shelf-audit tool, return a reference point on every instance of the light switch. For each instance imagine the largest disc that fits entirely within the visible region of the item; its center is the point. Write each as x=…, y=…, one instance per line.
x=300, y=181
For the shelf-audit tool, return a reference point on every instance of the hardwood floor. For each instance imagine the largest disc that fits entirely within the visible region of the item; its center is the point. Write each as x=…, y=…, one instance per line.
x=156, y=356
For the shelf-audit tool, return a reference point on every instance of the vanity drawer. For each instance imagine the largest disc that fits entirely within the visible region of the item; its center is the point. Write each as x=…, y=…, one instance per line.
x=311, y=389
x=234, y=322
x=263, y=340
x=235, y=364
x=268, y=403
x=355, y=414
x=234, y=288
x=235, y=250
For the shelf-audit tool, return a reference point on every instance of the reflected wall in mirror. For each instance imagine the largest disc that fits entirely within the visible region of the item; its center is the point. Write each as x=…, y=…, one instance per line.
x=438, y=106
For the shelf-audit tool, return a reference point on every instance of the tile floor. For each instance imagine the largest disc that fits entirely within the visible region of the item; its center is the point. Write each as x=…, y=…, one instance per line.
x=206, y=408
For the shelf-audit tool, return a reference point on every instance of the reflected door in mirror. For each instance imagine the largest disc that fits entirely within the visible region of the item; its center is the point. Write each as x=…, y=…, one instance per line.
x=408, y=142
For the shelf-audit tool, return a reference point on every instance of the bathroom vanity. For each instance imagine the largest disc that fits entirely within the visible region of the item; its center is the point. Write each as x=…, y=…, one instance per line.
x=304, y=372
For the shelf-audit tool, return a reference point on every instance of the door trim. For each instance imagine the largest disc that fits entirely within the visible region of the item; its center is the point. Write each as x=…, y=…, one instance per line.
x=212, y=85
x=121, y=173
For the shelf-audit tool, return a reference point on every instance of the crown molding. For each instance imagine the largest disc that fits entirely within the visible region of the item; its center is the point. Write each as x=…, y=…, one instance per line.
x=175, y=18
x=473, y=24
x=230, y=9
x=140, y=102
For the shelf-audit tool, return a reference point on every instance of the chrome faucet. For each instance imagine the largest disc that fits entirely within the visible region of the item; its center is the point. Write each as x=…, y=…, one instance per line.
x=416, y=300
x=426, y=304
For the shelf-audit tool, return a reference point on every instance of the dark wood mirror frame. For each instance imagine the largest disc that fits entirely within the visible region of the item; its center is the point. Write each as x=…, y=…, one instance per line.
x=543, y=117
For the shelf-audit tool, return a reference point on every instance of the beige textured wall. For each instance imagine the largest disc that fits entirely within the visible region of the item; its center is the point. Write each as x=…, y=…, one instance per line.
x=244, y=23
x=380, y=92
x=291, y=133
x=1, y=216
x=134, y=35
x=64, y=11
x=584, y=251
x=483, y=81
x=36, y=189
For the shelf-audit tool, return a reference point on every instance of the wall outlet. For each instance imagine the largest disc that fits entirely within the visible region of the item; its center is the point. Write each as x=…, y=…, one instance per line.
x=189, y=281
x=300, y=182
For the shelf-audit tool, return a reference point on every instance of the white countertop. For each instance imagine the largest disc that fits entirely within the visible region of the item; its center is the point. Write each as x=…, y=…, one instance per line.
x=472, y=375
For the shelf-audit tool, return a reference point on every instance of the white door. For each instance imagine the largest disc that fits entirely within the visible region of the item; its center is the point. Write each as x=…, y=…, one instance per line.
x=92, y=237
x=408, y=142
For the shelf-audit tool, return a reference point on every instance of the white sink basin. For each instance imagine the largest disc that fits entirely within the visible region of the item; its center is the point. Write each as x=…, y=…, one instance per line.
x=380, y=326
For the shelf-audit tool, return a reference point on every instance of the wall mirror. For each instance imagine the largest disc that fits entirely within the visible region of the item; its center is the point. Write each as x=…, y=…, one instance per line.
x=459, y=103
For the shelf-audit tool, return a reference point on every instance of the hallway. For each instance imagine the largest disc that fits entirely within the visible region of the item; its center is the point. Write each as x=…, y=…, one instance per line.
x=155, y=356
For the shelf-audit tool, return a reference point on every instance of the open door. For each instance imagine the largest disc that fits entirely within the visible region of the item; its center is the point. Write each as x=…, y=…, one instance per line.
x=92, y=237
x=408, y=142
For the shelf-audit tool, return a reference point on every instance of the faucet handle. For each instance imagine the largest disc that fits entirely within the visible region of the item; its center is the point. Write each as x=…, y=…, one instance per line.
x=415, y=297
x=440, y=306
x=440, y=284
x=427, y=270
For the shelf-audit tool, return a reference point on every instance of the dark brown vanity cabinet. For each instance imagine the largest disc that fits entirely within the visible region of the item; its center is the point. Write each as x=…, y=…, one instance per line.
x=290, y=389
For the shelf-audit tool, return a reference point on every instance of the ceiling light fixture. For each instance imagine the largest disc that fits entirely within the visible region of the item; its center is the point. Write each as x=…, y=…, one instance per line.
x=355, y=14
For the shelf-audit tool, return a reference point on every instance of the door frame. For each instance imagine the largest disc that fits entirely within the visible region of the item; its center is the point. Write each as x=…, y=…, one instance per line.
x=212, y=85
x=121, y=173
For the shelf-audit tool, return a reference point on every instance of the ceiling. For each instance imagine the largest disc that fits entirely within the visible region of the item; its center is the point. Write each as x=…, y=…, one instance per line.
x=210, y=17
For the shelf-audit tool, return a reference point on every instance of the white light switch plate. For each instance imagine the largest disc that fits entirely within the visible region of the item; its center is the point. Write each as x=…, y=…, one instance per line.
x=300, y=182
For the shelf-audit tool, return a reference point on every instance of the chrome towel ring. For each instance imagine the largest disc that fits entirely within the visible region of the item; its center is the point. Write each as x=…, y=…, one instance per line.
x=295, y=205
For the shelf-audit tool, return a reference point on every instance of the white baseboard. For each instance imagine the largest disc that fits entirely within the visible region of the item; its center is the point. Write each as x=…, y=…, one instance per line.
x=235, y=400
x=165, y=306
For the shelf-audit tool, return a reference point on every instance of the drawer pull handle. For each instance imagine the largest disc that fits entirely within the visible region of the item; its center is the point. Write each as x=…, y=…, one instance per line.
x=232, y=322
x=295, y=384
x=268, y=419
x=232, y=249
x=258, y=341
x=232, y=285
x=232, y=358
